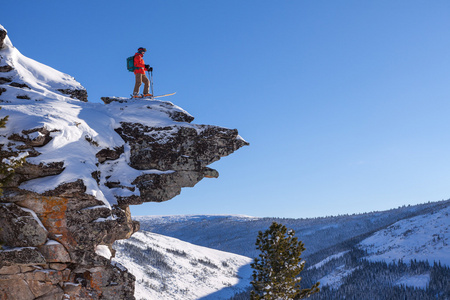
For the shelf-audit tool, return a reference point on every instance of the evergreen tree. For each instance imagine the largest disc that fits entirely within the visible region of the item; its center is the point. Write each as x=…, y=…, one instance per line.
x=276, y=271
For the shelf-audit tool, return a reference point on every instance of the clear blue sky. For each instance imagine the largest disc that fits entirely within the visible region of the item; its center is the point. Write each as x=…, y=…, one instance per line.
x=346, y=104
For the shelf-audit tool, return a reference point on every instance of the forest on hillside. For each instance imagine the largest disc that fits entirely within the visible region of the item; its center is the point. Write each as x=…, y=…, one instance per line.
x=353, y=277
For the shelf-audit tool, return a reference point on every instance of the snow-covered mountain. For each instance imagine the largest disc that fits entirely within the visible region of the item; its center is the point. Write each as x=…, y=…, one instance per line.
x=394, y=254
x=168, y=268
x=425, y=237
x=408, y=249
x=238, y=233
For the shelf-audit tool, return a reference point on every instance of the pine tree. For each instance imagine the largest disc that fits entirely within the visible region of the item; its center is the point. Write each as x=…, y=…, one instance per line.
x=276, y=271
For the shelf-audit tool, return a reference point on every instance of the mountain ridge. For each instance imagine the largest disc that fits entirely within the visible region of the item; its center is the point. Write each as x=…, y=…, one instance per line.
x=408, y=252
x=184, y=227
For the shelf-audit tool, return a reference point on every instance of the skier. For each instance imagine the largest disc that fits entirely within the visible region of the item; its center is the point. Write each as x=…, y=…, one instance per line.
x=139, y=72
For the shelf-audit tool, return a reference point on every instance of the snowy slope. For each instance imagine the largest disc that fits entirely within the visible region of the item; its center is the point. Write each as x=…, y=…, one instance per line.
x=417, y=232
x=167, y=268
x=237, y=233
x=79, y=128
x=420, y=238
x=424, y=237
x=39, y=77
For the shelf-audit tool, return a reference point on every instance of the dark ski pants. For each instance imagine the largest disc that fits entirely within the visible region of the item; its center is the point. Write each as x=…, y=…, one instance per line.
x=139, y=79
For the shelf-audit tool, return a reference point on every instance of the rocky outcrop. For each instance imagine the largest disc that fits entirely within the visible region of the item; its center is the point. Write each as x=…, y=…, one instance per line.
x=75, y=94
x=184, y=150
x=3, y=34
x=57, y=233
x=65, y=206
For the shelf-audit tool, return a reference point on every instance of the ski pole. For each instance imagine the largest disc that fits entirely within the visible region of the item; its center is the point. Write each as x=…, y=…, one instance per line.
x=151, y=80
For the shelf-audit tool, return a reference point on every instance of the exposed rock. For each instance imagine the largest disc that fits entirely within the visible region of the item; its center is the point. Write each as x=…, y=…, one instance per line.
x=19, y=85
x=109, y=154
x=76, y=222
x=178, y=147
x=15, y=287
x=2, y=37
x=108, y=100
x=21, y=256
x=4, y=80
x=2, y=90
x=54, y=252
x=40, y=138
x=6, y=68
x=19, y=228
x=58, y=266
x=163, y=187
x=76, y=94
x=45, y=290
x=29, y=171
x=9, y=270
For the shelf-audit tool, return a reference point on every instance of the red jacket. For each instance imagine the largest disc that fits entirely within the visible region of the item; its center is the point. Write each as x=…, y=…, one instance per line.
x=139, y=64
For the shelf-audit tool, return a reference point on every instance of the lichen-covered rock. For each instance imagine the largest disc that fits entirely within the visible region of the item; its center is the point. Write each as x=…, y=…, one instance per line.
x=183, y=150
x=20, y=228
x=54, y=252
x=178, y=147
x=21, y=256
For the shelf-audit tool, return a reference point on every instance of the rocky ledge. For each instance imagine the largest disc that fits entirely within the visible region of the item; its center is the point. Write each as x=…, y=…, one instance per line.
x=82, y=165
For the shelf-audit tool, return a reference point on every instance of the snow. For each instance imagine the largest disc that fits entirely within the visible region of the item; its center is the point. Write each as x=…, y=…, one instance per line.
x=16, y=249
x=195, y=272
x=421, y=235
x=52, y=242
x=335, y=278
x=104, y=251
x=39, y=77
x=411, y=239
x=418, y=281
x=79, y=128
x=329, y=258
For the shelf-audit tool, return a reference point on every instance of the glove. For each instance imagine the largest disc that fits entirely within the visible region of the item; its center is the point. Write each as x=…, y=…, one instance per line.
x=150, y=69
x=147, y=67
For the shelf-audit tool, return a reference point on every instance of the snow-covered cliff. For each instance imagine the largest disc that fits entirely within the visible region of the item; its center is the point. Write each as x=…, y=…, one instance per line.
x=85, y=163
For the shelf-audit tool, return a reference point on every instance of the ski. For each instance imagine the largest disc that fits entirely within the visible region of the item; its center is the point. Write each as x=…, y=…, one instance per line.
x=153, y=97
x=165, y=95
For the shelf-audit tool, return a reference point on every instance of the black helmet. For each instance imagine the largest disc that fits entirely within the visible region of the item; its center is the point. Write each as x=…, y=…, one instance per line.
x=142, y=49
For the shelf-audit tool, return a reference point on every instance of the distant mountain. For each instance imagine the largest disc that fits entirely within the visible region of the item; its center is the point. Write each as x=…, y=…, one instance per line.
x=402, y=253
x=424, y=237
x=237, y=234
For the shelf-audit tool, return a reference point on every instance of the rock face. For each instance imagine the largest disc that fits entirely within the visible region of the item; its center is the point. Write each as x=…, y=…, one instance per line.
x=63, y=208
x=2, y=36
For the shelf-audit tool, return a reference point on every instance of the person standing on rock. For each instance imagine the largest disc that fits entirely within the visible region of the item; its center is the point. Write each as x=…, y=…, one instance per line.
x=139, y=72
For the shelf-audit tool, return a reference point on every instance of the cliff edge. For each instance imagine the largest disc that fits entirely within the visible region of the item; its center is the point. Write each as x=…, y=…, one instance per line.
x=84, y=164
